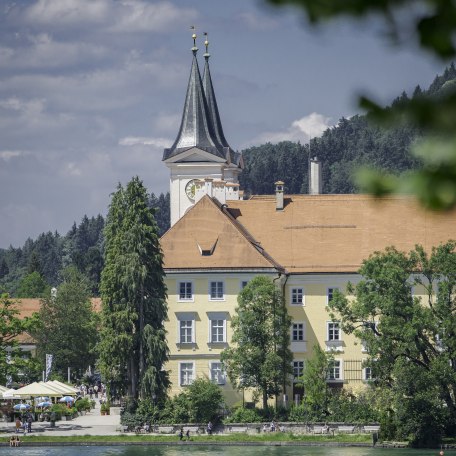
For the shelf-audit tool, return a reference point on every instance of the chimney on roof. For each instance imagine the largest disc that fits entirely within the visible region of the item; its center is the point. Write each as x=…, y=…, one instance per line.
x=279, y=195
x=315, y=177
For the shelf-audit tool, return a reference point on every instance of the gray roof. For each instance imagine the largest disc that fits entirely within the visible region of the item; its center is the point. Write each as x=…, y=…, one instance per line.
x=214, y=112
x=201, y=126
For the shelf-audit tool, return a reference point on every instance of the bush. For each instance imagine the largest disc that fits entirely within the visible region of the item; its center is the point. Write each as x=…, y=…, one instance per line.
x=299, y=413
x=344, y=406
x=244, y=415
x=82, y=404
x=176, y=410
x=59, y=408
x=130, y=420
x=147, y=411
x=206, y=401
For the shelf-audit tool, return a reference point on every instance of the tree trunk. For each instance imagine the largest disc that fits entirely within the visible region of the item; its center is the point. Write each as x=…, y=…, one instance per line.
x=133, y=377
x=141, y=332
x=265, y=399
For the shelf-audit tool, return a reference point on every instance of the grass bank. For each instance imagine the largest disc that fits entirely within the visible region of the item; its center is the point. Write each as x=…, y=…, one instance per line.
x=237, y=438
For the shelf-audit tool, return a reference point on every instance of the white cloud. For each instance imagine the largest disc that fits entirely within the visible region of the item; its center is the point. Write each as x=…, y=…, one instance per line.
x=67, y=12
x=301, y=130
x=143, y=141
x=28, y=107
x=43, y=51
x=134, y=16
x=258, y=22
x=114, y=16
x=7, y=155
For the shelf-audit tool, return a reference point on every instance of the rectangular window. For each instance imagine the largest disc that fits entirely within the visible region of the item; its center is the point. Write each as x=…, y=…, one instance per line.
x=333, y=330
x=186, y=373
x=297, y=296
x=217, y=373
x=298, y=369
x=217, y=330
x=244, y=284
x=331, y=293
x=334, y=370
x=297, y=334
x=185, y=291
x=186, y=331
x=367, y=373
x=216, y=290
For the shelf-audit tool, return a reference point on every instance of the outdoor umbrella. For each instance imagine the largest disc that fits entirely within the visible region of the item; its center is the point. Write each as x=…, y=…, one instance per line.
x=21, y=407
x=67, y=399
x=44, y=404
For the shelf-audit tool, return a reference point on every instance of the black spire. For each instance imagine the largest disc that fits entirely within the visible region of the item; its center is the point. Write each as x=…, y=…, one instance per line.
x=196, y=128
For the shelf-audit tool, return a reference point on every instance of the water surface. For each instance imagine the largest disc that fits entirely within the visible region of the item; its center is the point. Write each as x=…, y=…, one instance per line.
x=164, y=450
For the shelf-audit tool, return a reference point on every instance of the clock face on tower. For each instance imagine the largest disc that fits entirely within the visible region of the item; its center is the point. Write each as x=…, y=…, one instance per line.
x=190, y=189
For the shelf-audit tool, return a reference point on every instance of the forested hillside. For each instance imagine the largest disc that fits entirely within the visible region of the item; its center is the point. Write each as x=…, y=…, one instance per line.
x=30, y=270
x=351, y=143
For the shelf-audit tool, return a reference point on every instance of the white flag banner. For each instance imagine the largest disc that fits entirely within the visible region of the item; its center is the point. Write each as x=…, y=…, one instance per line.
x=48, y=366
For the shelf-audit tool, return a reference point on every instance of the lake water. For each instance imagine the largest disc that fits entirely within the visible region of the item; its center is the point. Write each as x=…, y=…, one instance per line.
x=179, y=450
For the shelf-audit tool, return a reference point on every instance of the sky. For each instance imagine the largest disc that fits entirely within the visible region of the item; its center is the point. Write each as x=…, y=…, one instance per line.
x=92, y=91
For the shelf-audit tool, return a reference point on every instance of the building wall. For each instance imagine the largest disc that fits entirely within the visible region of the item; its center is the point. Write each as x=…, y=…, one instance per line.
x=311, y=312
x=201, y=309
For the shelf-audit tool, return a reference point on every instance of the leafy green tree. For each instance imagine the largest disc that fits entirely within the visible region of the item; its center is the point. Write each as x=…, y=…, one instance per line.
x=68, y=326
x=259, y=356
x=11, y=326
x=314, y=380
x=162, y=211
x=410, y=339
x=33, y=285
x=34, y=264
x=4, y=269
x=205, y=400
x=433, y=25
x=133, y=346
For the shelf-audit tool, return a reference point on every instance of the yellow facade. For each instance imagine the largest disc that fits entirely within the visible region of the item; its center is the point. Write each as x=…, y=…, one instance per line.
x=200, y=352
x=190, y=329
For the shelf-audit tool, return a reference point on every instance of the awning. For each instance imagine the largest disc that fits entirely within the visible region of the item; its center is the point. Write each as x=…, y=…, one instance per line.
x=9, y=394
x=37, y=389
x=61, y=388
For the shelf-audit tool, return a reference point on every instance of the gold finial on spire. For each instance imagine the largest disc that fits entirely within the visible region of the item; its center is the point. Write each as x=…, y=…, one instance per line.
x=206, y=42
x=192, y=27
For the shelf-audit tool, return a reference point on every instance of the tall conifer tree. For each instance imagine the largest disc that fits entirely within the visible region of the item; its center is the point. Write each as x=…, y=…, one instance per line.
x=133, y=348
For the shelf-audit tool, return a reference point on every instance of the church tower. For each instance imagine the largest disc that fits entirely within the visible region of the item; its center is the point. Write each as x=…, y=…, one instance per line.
x=200, y=160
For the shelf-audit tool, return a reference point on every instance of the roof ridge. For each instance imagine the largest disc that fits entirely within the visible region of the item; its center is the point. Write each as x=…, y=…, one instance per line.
x=246, y=234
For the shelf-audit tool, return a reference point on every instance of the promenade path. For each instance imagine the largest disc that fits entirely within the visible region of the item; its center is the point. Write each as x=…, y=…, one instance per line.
x=93, y=423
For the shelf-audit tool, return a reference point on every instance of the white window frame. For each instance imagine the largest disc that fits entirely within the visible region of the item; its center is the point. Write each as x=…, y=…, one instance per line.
x=186, y=331
x=210, y=290
x=331, y=370
x=334, y=344
x=185, y=299
x=295, y=292
x=190, y=379
x=328, y=293
x=186, y=317
x=216, y=316
x=330, y=327
x=220, y=379
x=303, y=329
x=298, y=369
x=298, y=345
x=367, y=369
